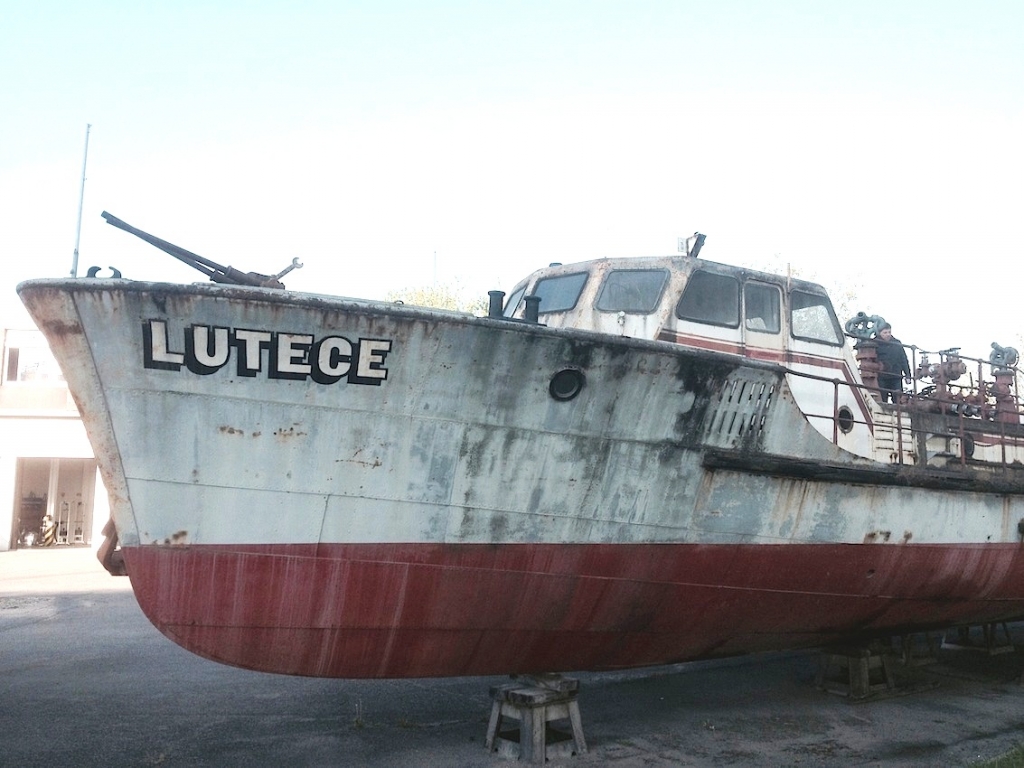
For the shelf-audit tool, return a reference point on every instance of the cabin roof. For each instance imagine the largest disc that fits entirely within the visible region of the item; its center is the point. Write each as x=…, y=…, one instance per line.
x=674, y=263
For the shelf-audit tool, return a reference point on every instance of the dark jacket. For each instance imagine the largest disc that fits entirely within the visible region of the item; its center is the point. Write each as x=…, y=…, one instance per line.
x=893, y=358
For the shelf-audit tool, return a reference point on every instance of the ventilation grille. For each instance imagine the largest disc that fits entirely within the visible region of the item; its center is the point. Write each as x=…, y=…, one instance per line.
x=740, y=409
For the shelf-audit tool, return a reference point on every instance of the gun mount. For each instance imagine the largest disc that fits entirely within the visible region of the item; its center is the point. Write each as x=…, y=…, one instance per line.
x=217, y=273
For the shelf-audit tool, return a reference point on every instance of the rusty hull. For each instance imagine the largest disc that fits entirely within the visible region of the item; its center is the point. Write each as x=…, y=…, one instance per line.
x=384, y=491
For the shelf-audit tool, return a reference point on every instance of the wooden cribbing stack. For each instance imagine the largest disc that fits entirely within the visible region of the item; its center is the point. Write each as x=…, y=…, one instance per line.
x=536, y=701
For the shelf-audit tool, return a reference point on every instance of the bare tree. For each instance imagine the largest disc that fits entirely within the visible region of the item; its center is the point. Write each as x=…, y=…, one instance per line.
x=847, y=294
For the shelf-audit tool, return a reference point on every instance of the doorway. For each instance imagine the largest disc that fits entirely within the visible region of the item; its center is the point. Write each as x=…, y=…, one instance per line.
x=53, y=502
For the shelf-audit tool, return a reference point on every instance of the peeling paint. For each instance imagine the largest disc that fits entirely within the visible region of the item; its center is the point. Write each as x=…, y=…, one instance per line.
x=177, y=539
x=682, y=505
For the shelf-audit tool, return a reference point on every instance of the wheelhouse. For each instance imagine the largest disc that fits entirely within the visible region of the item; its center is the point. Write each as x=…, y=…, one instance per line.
x=729, y=308
x=720, y=308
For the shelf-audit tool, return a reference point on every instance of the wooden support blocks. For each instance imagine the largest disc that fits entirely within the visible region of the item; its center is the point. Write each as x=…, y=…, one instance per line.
x=856, y=671
x=989, y=642
x=911, y=652
x=536, y=702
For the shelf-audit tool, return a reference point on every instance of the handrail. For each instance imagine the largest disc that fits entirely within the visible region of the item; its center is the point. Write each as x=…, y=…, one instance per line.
x=984, y=411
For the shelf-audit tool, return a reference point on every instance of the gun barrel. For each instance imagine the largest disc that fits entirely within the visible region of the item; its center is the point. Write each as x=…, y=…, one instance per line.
x=213, y=270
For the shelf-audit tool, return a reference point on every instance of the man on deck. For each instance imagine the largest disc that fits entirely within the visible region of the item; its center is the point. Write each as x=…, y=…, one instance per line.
x=893, y=358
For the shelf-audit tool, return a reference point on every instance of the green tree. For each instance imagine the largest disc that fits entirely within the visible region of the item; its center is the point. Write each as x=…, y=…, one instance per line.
x=439, y=296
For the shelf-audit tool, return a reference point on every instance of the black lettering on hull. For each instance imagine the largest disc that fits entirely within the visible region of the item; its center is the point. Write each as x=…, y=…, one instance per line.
x=281, y=355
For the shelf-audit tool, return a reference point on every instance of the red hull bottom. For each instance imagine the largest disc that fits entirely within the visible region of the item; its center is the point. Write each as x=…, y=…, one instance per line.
x=424, y=610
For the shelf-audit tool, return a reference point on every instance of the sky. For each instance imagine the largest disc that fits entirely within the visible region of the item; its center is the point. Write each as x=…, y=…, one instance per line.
x=874, y=146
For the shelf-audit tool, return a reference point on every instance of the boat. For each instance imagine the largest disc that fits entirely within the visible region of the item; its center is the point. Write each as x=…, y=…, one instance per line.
x=625, y=462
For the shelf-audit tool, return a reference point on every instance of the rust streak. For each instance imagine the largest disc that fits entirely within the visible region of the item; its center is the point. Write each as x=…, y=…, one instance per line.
x=371, y=464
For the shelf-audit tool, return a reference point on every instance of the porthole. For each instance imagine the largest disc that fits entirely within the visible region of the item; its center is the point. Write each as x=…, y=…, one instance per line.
x=566, y=384
x=845, y=419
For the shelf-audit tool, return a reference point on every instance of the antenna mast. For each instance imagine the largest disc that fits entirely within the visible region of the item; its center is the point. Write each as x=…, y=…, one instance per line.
x=81, y=199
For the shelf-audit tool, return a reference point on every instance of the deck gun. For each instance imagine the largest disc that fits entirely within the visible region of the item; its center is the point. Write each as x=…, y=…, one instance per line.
x=211, y=269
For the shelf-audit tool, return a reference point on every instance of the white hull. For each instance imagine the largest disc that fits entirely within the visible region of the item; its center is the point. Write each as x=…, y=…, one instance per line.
x=443, y=433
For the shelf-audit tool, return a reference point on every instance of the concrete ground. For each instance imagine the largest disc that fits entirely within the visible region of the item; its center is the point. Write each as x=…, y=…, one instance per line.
x=87, y=681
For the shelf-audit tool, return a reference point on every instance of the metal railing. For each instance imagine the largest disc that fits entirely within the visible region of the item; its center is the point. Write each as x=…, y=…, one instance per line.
x=984, y=407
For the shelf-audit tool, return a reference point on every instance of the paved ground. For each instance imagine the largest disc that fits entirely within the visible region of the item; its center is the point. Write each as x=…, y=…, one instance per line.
x=87, y=681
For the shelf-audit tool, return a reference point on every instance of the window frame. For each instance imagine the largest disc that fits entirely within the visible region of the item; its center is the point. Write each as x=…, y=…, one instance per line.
x=717, y=275
x=552, y=278
x=28, y=350
x=778, y=306
x=510, y=308
x=657, y=299
x=834, y=321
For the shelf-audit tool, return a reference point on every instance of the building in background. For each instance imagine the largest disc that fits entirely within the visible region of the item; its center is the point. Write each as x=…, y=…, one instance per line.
x=50, y=491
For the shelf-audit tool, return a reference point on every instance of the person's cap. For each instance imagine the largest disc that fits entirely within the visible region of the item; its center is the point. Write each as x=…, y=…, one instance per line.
x=884, y=327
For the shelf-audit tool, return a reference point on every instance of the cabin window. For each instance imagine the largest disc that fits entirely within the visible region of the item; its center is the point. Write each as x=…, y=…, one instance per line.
x=513, y=302
x=761, y=304
x=712, y=299
x=812, y=318
x=632, y=290
x=558, y=294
